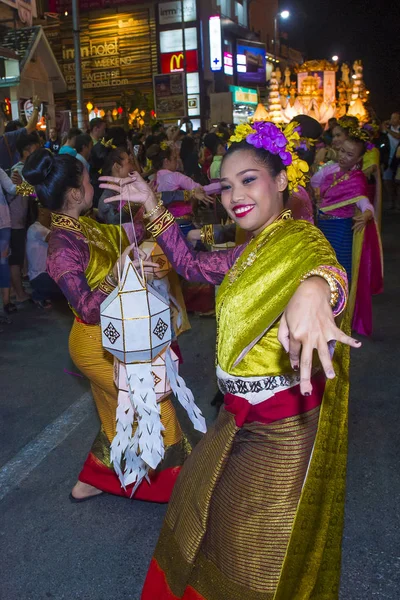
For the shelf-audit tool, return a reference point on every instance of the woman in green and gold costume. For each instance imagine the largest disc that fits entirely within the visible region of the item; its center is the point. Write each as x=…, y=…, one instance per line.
x=257, y=511
x=82, y=259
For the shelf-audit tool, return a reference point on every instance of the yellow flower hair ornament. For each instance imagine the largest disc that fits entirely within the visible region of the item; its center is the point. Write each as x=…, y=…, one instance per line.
x=108, y=143
x=278, y=141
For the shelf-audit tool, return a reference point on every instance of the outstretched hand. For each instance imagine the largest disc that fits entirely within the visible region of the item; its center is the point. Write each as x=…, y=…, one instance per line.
x=307, y=325
x=132, y=189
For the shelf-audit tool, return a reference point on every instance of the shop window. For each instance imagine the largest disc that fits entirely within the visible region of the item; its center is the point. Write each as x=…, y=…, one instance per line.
x=241, y=12
x=225, y=7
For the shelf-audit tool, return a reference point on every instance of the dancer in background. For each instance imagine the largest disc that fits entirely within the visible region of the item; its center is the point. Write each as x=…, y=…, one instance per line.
x=346, y=217
x=82, y=260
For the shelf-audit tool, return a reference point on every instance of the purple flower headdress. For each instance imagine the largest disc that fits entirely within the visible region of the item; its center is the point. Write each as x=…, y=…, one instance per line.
x=268, y=136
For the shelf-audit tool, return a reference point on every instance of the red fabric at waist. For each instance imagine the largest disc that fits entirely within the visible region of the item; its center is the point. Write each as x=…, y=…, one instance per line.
x=282, y=405
x=80, y=321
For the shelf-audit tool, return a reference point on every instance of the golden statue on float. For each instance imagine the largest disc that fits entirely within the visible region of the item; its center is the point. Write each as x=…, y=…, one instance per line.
x=317, y=92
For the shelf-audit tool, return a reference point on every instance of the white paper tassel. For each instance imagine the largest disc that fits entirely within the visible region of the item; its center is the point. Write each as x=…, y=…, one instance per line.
x=184, y=394
x=144, y=400
x=120, y=446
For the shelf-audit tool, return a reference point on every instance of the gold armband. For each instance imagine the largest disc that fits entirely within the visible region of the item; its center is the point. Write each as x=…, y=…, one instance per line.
x=160, y=224
x=108, y=284
x=207, y=235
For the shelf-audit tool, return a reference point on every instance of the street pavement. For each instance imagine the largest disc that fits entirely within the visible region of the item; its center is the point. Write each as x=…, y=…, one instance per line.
x=100, y=550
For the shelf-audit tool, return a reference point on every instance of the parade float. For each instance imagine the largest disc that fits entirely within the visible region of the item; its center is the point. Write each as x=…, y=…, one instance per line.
x=320, y=89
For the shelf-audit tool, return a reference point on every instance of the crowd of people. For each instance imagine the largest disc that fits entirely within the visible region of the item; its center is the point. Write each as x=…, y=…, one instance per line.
x=286, y=220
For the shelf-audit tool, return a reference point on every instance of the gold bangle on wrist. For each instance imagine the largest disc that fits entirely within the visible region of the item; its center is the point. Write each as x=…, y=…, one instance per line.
x=329, y=278
x=154, y=210
x=160, y=224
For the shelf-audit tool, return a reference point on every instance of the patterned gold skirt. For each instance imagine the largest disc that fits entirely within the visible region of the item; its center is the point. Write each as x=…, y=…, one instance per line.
x=231, y=515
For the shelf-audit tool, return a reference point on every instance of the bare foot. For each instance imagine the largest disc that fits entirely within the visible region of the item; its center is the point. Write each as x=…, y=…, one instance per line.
x=84, y=490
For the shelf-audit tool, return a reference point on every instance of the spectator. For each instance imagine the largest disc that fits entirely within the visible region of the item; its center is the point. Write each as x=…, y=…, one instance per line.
x=69, y=146
x=328, y=134
x=210, y=141
x=190, y=159
x=218, y=151
x=54, y=143
x=44, y=289
x=83, y=146
x=6, y=187
x=392, y=128
x=97, y=128
x=26, y=144
x=42, y=138
x=8, y=154
x=15, y=125
x=116, y=163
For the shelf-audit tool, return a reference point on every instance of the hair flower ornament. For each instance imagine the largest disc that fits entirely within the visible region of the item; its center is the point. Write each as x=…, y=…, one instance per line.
x=108, y=143
x=362, y=135
x=164, y=145
x=278, y=141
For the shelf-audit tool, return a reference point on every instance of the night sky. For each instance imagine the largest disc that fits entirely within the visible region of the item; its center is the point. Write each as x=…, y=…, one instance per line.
x=353, y=29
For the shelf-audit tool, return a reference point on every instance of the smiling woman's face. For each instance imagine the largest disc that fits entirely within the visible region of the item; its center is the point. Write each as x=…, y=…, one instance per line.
x=250, y=195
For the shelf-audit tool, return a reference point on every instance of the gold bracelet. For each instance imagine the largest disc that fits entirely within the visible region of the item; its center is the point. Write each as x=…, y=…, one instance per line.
x=154, y=210
x=160, y=224
x=209, y=234
x=108, y=284
x=202, y=235
x=329, y=278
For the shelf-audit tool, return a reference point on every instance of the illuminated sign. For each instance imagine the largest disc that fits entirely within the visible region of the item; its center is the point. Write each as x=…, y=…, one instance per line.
x=171, y=62
x=228, y=63
x=171, y=12
x=244, y=95
x=172, y=40
x=251, y=63
x=214, y=24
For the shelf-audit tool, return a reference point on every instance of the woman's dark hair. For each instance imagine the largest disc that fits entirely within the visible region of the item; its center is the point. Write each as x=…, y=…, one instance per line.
x=272, y=162
x=115, y=156
x=102, y=155
x=157, y=155
x=211, y=140
x=118, y=136
x=52, y=176
x=188, y=146
x=25, y=140
x=81, y=141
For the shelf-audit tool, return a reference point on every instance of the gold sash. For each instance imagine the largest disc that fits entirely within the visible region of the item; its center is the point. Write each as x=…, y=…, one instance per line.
x=256, y=291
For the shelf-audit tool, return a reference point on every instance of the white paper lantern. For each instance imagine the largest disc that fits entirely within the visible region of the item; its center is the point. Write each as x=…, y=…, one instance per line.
x=135, y=319
x=162, y=386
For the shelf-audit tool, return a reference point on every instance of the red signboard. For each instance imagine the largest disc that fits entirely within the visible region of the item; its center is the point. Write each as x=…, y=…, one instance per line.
x=172, y=62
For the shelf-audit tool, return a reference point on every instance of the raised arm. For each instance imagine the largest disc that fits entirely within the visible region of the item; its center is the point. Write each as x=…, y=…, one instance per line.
x=205, y=267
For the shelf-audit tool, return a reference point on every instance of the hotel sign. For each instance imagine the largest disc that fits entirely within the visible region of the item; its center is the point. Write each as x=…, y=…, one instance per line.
x=171, y=12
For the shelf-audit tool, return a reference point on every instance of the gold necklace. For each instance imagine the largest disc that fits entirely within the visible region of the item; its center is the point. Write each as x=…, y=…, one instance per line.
x=236, y=271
